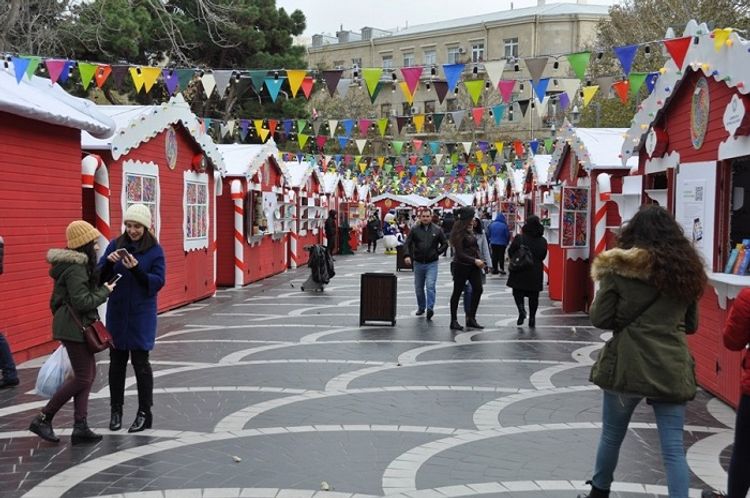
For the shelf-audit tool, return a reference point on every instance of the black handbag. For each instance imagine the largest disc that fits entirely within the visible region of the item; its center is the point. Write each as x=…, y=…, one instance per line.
x=96, y=334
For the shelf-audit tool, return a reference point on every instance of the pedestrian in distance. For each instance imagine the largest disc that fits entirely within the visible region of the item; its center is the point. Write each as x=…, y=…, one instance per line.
x=422, y=250
x=484, y=251
x=447, y=226
x=649, y=286
x=527, y=283
x=330, y=230
x=76, y=290
x=374, y=232
x=499, y=236
x=131, y=312
x=7, y=365
x=737, y=338
x=467, y=265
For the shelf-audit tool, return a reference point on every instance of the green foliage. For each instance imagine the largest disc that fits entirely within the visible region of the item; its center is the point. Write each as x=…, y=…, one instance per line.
x=607, y=113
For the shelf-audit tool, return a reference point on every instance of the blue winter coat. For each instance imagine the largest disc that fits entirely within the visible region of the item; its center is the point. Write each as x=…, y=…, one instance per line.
x=498, y=231
x=131, y=310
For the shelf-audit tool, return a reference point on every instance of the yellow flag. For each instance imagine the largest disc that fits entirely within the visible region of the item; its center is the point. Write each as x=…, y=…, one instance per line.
x=407, y=94
x=499, y=148
x=295, y=76
x=137, y=74
x=588, y=94
x=150, y=75
x=381, y=161
x=418, y=120
x=720, y=37
x=362, y=167
x=262, y=133
x=479, y=154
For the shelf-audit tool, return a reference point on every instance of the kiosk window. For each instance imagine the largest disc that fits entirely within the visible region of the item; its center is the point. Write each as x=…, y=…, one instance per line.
x=739, y=227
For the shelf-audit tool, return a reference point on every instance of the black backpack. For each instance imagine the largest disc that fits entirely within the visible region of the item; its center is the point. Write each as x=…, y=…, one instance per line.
x=522, y=259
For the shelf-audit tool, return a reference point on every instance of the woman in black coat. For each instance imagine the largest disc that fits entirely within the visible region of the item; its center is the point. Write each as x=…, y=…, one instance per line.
x=527, y=283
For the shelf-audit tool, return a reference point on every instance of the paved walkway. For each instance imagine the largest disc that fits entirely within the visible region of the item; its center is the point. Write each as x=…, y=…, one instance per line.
x=270, y=391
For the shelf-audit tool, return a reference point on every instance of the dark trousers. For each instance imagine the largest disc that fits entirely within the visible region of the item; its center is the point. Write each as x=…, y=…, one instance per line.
x=77, y=387
x=144, y=377
x=739, y=466
x=7, y=365
x=533, y=296
x=462, y=274
x=373, y=244
x=498, y=257
x=330, y=242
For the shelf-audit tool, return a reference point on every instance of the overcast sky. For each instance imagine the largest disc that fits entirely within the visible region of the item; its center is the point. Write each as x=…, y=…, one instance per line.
x=326, y=16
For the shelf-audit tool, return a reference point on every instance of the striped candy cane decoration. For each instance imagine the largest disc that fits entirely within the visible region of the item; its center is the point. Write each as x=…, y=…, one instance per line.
x=294, y=232
x=600, y=216
x=94, y=175
x=239, y=248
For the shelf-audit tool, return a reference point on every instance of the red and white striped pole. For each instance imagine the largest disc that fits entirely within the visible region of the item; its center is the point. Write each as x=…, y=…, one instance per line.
x=604, y=189
x=94, y=175
x=294, y=232
x=239, y=247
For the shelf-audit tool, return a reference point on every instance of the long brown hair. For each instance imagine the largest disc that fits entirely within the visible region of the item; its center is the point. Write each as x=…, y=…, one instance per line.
x=678, y=269
x=460, y=231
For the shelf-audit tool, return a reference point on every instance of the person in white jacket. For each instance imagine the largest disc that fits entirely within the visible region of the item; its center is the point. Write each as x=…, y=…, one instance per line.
x=484, y=253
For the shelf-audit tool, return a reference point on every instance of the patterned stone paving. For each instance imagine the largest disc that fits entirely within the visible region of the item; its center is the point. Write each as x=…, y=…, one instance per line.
x=269, y=391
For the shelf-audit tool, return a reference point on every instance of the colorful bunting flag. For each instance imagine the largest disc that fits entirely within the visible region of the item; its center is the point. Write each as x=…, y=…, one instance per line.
x=408, y=95
x=452, y=74
x=331, y=78
x=418, y=120
x=621, y=88
x=20, y=65
x=307, y=86
x=170, y=80
x=540, y=88
x=411, y=77
x=579, y=62
x=274, y=86
x=506, y=89
x=474, y=87
x=207, y=80
x=588, y=94
x=477, y=113
x=295, y=77
x=102, y=73
x=55, y=68
x=636, y=82
x=535, y=66
x=625, y=55
x=371, y=75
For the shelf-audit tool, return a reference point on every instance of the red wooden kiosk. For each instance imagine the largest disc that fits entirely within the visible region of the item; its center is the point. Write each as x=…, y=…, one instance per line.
x=40, y=136
x=696, y=118
x=307, y=228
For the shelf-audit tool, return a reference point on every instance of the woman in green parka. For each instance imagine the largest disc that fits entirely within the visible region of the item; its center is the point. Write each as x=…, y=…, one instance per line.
x=649, y=287
x=76, y=286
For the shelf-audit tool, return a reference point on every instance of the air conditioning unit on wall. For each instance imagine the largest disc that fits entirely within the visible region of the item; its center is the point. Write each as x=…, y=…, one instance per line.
x=461, y=50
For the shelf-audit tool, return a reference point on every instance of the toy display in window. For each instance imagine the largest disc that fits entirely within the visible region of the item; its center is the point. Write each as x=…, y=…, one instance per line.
x=261, y=222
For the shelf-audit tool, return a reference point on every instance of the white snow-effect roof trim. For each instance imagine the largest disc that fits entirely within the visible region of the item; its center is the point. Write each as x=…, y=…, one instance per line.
x=411, y=199
x=330, y=182
x=244, y=160
x=732, y=62
x=41, y=100
x=595, y=148
x=460, y=199
x=349, y=187
x=138, y=124
x=540, y=168
x=299, y=172
x=518, y=178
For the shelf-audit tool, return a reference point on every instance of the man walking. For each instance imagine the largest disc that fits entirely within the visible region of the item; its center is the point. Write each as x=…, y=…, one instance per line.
x=499, y=236
x=423, y=246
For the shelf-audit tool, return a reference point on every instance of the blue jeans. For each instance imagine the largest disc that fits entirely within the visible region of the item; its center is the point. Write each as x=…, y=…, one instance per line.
x=7, y=365
x=425, y=276
x=670, y=419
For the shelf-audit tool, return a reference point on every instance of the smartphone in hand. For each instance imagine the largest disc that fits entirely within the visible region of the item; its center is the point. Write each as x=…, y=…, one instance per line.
x=114, y=279
x=123, y=253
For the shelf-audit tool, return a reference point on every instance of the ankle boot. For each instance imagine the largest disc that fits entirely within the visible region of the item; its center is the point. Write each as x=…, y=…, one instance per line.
x=532, y=321
x=142, y=421
x=472, y=323
x=115, y=418
x=82, y=434
x=42, y=427
x=455, y=325
x=521, y=317
x=595, y=492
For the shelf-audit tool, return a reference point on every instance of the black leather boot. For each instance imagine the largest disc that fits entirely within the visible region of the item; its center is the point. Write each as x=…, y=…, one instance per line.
x=595, y=492
x=82, y=434
x=532, y=321
x=142, y=421
x=455, y=325
x=472, y=323
x=521, y=317
x=115, y=418
x=42, y=427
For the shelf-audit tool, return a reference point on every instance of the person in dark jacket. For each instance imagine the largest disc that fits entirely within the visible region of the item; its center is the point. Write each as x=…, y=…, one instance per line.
x=499, y=236
x=330, y=230
x=649, y=286
x=527, y=283
x=447, y=226
x=737, y=338
x=374, y=232
x=423, y=246
x=467, y=265
x=131, y=312
x=76, y=290
x=7, y=364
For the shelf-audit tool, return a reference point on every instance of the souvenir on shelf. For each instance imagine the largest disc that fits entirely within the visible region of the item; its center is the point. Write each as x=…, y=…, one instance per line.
x=575, y=215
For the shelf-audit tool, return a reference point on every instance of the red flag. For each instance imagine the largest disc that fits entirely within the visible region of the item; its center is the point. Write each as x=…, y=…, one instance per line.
x=621, y=89
x=102, y=73
x=677, y=48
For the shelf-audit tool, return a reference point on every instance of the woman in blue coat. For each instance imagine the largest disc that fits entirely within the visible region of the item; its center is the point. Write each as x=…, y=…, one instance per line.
x=131, y=312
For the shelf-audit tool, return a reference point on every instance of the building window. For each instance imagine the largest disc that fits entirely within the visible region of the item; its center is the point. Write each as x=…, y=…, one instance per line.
x=405, y=109
x=452, y=104
x=385, y=110
x=195, y=223
x=430, y=57
x=429, y=106
x=338, y=64
x=453, y=55
x=477, y=52
x=141, y=183
x=409, y=60
x=357, y=62
x=511, y=47
x=387, y=62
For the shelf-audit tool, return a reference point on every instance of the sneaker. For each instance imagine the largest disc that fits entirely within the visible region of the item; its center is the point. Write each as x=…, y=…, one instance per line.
x=7, y=383
x=430, y=313
x=419, y=312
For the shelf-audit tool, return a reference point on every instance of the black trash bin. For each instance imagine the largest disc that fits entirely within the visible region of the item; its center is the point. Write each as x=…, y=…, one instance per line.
x=377, y=298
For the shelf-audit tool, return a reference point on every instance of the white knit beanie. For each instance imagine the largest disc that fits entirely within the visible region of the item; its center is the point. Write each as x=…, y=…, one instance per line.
x=139, y=214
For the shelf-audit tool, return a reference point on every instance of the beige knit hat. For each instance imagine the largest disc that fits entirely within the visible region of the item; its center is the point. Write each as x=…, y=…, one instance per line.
x=79, y=233
x=140, y=214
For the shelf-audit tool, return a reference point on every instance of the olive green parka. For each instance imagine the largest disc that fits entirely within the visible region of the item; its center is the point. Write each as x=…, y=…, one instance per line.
x=648, y=354
x=72, y=286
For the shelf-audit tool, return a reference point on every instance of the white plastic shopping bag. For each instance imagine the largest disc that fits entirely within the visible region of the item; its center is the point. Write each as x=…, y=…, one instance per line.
x=53, y=373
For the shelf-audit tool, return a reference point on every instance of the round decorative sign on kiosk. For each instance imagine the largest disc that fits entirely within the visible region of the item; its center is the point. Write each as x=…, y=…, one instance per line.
x=170, y=147
x=700, y=106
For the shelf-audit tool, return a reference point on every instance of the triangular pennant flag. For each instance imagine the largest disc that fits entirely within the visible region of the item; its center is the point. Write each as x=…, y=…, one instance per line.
x=625, y=55
x=477, y=113
x=55, y=68
x=331, y=78
x=495, y=71
x=564, y=101
x=150, y=75
x=441, y=89
x=534, y=146
x=272, y=124
x=636, y=82
x=499, y=146
x=343, y=87
x=295, y=77
x=408, y=95
x=258, y=77
x=316, y=124
x=302, y=139
x=361, y=143
x=102, y=73
x=33, y=64
x=579, y=62
x=65, y=74
x=307, y=86
x=86, y=70
x=467, y=147
x=677, y=48
x=381, y=161
x=371, y=75
x=118, y=74
x=288, y=125
x=207, y=80
x=497, y=113
x=651, y=81
x=262, y=132
x=301, y=125
x=506, y=89
x=222, y=78
x=452, y=74
x=320, y=140
x=605, y=85
x=458, y=118
x=411, y=77
x=435, y=147
x=570, y=86
x=21, y=64
x=137, y=75
x=437, y=120
x=348, y=125
x=274, y=85
x=418, y=120
x=621, y=89
x=227, y=128
x=185, y=76
x=548, y=145
x=524, y=105
x=382, y=125
x=374, y=95
x=541, y=107
x=518, y=147
x=535, y=66
x=401, y=122
x=244, y=126
x=540, y=88
x=438, y=158
x=364, y=126
x=332, y=125
x=397, y=146
x=417, y=144
x=474, y=87
x=170, y=80
x=588, y=94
